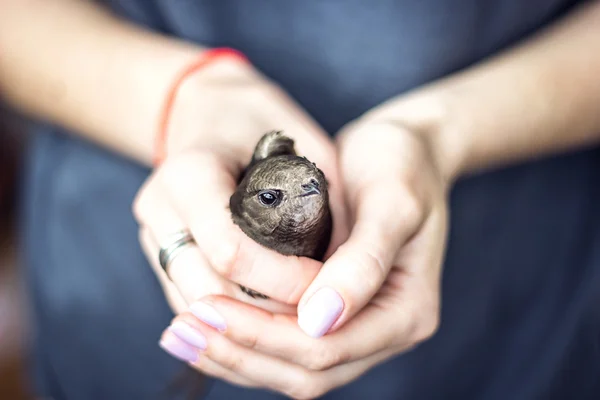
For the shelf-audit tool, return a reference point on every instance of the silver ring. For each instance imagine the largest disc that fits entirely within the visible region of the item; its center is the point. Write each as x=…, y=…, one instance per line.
x=179, y=241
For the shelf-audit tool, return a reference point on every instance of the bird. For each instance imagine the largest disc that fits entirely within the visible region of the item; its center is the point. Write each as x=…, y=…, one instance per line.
x=282, y=201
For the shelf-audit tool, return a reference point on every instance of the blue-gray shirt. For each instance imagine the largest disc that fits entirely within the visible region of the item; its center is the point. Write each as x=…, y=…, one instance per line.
x=521, y=284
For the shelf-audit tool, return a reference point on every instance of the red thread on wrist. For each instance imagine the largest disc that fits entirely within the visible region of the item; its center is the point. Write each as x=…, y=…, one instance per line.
x=206, y=58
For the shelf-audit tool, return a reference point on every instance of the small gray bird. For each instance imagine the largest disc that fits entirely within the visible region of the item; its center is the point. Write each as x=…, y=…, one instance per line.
x=282, y=202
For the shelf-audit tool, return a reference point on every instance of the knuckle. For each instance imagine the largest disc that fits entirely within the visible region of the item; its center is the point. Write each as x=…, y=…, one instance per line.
x=371, y=269
x=352, y=134
x=414, y=212
x=249, y=339
x=140, y=207
x=425, y=322
x=236, y=364
x=324, y=357
x=305, y=387
x=225, y=258
x=411, y=209
x=232, y=362
x=426, y=329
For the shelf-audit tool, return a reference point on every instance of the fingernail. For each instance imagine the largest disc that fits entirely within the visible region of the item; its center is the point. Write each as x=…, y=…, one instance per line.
x=321, y=311
x=179, y=349
x=208, y=315
x=188, y=334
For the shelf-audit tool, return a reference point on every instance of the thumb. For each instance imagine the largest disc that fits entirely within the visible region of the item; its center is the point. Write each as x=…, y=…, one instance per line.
x=386, y=217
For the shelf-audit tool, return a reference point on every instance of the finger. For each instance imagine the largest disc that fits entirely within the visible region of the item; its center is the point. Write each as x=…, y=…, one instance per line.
x=199, y=186
x=386, y=217
x=176, y=301
x=265, y=371
x=195, y=289
x=183, y=351
x=346, y=373
x=279, y=336
x=188, y=271
x=289, y=379
x=386, y=214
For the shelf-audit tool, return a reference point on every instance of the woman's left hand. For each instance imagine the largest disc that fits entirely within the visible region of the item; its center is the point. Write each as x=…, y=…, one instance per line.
x=377, y=296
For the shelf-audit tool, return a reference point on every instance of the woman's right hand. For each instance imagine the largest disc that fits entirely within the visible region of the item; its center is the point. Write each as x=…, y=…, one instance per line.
x=218, y=116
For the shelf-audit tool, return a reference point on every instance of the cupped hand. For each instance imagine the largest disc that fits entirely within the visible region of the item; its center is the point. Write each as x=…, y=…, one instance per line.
x=377, y=296
x=218, y=116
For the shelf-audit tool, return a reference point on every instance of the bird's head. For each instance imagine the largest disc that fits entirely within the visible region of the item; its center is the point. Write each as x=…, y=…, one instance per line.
x=280, y=200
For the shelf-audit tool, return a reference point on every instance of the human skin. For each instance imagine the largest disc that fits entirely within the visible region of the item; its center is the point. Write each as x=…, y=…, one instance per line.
x=403, y=157
x=112, y=93
x=530, y=101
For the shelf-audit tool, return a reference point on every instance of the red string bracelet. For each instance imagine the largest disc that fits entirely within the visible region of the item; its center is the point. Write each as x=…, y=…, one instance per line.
x=205, y=58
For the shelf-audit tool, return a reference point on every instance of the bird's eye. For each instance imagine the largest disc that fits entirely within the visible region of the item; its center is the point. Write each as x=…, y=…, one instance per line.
x=269, y=197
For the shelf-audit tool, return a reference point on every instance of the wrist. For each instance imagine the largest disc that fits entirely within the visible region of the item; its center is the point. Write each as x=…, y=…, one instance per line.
x=430, y=116
x=191, y=89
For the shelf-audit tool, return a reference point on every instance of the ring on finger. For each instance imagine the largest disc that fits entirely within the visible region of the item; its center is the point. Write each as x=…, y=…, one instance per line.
x=179, y=241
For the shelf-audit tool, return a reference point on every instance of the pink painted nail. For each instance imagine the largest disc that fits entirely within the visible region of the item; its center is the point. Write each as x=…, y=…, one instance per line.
x=179, y=349
x=188, y=334
x=208, y=315
x=321, y=312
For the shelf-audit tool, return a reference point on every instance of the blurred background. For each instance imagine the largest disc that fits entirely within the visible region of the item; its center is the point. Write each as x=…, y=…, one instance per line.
x=13, y=329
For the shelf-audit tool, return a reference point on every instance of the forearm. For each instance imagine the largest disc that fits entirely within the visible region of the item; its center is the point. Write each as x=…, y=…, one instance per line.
x=539, y=98
x=74, y=64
